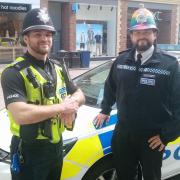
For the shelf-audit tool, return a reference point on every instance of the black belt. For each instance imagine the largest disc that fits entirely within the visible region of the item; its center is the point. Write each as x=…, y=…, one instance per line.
x=35, y=142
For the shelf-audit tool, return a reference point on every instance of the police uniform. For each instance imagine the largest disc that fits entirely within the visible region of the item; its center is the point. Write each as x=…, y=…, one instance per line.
x=147, y=96
x=40, y=151
x=36, y=149
x=148, y=103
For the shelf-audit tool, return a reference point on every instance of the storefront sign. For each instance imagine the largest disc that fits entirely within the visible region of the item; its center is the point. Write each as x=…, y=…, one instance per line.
x=14, y=7
x=157, y=15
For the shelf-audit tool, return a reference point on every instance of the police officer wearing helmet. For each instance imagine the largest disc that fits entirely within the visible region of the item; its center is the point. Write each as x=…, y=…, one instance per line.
x=41, y=101
x=145, y=84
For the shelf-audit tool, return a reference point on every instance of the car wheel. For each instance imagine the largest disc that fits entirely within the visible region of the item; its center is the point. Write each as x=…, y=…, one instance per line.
x=102, y=170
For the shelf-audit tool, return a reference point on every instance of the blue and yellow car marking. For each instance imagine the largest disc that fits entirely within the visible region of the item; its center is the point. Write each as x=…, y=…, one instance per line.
x=81, y=156
x=105, y=138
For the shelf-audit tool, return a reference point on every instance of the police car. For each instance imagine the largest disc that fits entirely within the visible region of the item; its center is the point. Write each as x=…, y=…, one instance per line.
x=87, y=150
x=173, y=49
x=176, y=54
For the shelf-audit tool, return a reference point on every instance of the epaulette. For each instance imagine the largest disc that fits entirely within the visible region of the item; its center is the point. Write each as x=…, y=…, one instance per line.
x=127, y=50
x=64, y=69
x=55, y=61
x=167, y=53
x=19, y=64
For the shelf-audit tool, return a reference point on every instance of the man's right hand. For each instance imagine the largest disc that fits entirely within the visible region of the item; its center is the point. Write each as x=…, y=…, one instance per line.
x=100, y=119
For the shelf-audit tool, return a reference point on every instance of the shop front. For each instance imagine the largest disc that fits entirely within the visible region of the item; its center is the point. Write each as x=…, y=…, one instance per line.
x=96, y=29
x=11, y=18
x=101, y=27
x=163, y=14
x=84, y=25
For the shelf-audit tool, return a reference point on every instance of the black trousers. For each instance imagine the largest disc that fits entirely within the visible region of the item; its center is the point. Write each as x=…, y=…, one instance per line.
x=42, y=160
x=130, y=150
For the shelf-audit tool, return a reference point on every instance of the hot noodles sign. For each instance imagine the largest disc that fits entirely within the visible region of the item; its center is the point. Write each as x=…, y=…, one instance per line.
x=14, y=7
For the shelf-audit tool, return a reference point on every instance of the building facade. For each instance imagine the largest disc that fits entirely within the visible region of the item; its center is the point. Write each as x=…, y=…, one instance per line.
x=100, y=27
x=11, y=18
x=167, y=17
x=85, y=25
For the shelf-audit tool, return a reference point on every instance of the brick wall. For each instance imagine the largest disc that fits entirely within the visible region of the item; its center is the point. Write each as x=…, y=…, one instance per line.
x=174, y=25
x=122, y=25
x=68, y=33
x=44, y=3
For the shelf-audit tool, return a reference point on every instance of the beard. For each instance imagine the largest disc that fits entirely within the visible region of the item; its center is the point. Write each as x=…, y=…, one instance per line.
x=41, y=49
x=143, y=45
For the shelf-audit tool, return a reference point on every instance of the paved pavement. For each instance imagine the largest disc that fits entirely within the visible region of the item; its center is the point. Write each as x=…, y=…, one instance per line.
x=73, y=73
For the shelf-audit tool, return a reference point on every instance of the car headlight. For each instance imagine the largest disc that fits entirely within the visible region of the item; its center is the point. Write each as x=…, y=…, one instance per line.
x=68, y=144
x=4, y=156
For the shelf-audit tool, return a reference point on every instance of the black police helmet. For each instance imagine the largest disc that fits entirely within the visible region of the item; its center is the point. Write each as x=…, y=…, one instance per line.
x=37, y=19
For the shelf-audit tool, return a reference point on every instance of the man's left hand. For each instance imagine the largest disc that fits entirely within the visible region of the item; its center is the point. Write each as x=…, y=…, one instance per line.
x=155, y=142
x=67, y=119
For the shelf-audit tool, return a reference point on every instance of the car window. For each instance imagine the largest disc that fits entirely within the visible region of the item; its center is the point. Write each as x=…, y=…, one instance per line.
x=92, y=84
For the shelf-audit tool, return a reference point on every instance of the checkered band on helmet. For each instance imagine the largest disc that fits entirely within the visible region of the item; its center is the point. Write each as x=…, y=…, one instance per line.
x=37, y=19
x=142, y=19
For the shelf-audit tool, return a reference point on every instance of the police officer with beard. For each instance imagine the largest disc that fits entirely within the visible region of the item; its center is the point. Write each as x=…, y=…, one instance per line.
x=41, y=101
x=145, y=84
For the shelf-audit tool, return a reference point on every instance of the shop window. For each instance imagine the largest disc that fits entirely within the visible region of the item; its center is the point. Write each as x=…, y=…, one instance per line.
x=10, y=30
x=10, y=25
x=92, y=36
